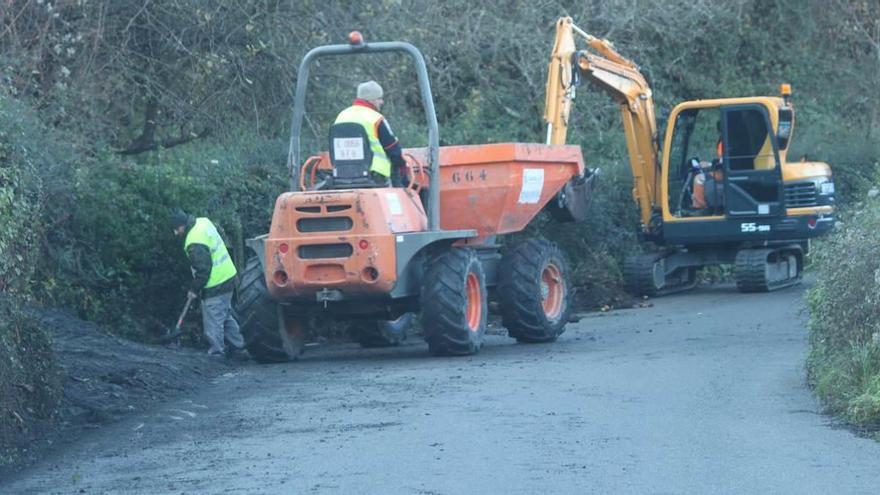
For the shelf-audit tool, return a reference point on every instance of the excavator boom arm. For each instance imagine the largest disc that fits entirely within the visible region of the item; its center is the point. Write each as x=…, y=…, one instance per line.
x=620, y=78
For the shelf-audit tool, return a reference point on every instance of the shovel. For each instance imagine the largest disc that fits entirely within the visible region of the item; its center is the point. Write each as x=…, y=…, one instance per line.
x=178, y=331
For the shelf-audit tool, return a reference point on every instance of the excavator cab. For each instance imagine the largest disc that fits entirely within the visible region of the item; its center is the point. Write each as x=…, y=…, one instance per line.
x=770, y=207
x=739, y=144
x=724, y=162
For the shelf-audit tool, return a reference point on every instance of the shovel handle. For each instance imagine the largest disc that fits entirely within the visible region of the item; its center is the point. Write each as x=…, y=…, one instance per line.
x=183, y=313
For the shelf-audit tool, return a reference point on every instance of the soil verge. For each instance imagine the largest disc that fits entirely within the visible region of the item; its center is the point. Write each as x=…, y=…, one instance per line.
x=105, y=378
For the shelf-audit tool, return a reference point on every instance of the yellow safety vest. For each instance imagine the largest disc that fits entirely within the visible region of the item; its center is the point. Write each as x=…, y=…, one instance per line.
x=368, y=119
x=204, y=232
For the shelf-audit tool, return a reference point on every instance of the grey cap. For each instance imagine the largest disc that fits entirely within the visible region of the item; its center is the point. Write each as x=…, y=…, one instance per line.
x=369, y=90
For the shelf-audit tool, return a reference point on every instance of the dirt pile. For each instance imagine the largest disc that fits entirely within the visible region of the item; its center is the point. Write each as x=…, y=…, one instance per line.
x=30, y=387
x=103, y=378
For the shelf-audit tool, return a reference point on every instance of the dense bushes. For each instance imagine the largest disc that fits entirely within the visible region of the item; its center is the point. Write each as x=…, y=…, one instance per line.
x=22, y=158
x=844, y=362
x=118, y=262
x=29, y=387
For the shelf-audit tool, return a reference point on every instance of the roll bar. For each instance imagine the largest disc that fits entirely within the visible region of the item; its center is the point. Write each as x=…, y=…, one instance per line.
x=293, y=157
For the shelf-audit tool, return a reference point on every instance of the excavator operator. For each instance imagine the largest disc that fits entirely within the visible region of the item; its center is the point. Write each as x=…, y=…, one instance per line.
x=708, y=191
x=388, y=163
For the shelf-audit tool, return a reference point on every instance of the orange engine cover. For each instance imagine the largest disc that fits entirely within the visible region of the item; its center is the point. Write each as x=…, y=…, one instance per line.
x=343, y=240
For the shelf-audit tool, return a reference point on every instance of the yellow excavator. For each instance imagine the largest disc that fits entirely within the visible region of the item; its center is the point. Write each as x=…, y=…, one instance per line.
x=718, y=190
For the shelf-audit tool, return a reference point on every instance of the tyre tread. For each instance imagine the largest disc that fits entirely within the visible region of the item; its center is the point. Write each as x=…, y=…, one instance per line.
x=258, y=317
x=522, y=311
x=444, y=303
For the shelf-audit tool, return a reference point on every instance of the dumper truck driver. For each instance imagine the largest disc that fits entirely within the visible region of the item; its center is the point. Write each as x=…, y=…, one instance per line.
x=388, y=162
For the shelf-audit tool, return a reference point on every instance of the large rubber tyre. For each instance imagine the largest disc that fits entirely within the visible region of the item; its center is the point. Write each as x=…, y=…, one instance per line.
x=454, y=303
x=258, y=317
x=381, y=333
x=534, y=291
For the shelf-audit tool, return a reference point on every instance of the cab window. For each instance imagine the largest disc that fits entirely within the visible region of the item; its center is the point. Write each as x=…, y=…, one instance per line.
x=696, y=139
x=749, y=139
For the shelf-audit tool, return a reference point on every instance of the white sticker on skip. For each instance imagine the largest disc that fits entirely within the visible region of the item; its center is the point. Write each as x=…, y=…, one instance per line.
x=393, y=203
x=763, y=209
x=532, y=185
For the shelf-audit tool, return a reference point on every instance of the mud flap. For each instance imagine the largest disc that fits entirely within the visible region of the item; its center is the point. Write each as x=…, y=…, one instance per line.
x=572, y=203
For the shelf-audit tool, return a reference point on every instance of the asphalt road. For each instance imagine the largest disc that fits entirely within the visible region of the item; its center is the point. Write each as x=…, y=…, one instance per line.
x=701, y=393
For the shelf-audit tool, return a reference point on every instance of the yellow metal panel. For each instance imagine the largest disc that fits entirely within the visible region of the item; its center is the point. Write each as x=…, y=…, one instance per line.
x=810, y=210
x=765, y=160
x=795, y=171
x=673, y=219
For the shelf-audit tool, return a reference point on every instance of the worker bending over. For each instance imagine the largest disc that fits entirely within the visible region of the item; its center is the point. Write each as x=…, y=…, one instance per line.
x=213, y=276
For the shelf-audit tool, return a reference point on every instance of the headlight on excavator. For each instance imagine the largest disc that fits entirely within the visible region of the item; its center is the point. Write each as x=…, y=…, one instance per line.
x=826, y=188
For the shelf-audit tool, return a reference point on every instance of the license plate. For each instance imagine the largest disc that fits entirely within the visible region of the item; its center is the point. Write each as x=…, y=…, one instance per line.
x=348, y=148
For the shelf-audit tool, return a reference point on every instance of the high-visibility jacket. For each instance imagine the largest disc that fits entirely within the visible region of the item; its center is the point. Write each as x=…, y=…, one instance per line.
x=222, y=268
x=713, y=180
x=370, y=120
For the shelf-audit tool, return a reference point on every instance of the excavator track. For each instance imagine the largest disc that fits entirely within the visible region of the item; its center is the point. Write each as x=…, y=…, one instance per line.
x=767, y=269
x=643, y=275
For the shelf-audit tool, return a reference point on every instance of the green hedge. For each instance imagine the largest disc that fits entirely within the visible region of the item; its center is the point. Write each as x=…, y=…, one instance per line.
x=21, y=196
x=117, y=260
x=844, y=306
x=29, y=385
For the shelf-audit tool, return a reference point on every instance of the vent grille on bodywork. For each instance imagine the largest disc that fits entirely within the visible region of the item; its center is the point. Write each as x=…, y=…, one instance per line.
x=309, y=209
x=321, y=251
x=324, y=224
x=800, y=194
x=787, y=225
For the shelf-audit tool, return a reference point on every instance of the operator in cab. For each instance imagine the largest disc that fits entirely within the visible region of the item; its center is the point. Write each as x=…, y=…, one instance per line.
x=708, y=192
x=388, y=164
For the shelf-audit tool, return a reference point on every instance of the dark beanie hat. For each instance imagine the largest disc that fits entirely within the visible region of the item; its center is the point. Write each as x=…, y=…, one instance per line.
x=178, y=217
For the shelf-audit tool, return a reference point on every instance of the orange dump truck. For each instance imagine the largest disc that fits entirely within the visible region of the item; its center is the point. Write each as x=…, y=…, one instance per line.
x=377, y=256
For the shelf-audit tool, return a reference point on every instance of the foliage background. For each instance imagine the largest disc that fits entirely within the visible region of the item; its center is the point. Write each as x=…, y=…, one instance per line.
x=844, y=362
x=29, y=385
x=113, y=111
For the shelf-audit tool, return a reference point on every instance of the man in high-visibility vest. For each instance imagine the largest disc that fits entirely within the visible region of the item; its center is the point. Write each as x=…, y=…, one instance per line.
x=388, y=162
x=213, y=277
